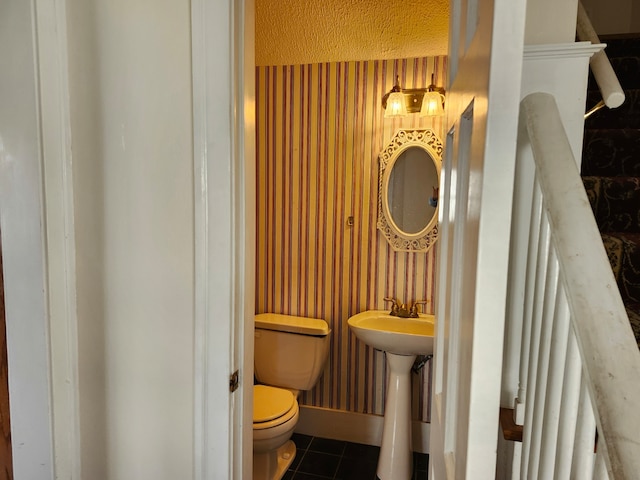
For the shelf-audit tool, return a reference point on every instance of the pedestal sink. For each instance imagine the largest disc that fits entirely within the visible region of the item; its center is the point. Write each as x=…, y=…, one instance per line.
x=402, y=339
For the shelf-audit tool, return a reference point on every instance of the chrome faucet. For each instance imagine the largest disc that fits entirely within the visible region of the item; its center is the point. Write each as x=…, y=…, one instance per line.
x=401, y=310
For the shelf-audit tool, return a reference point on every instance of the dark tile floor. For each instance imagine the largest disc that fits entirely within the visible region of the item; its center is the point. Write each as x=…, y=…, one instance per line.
x=320, y=458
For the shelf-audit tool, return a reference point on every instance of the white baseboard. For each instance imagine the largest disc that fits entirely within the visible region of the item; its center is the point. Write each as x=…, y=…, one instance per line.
x=354, y=427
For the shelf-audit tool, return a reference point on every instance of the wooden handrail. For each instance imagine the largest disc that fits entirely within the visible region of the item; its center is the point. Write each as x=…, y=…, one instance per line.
x=608, y=83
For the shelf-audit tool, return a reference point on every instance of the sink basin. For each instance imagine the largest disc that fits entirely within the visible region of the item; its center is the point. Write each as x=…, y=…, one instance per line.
x=402, y=336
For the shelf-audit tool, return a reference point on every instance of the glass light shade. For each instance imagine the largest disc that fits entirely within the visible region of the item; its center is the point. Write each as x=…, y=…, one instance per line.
x=395, y=105
x=432, y=105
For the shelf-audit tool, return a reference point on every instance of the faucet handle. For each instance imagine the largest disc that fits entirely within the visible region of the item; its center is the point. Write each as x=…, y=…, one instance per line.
x=414, y=307
x=395, y=306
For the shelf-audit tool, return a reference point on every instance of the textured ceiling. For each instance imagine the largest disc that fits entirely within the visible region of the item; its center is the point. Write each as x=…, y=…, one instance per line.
x=295, y=32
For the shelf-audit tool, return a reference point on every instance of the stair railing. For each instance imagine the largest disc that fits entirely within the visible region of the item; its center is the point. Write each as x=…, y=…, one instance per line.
x=608, y=83
x=579, y=364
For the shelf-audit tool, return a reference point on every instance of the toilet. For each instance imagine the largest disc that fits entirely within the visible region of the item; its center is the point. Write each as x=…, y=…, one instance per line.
x=289, y=356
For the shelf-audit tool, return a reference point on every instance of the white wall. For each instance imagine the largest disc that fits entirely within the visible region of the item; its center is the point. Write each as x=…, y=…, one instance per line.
x=550, y=21
x=130, y=89
x=613, y=16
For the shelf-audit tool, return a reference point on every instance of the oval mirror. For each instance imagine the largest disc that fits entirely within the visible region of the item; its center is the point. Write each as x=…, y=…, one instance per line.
x=408, y=190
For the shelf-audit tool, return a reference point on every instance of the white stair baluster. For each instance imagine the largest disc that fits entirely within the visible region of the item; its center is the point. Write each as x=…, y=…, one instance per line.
x=568, y=409
x=555, y=380
x=583, y=456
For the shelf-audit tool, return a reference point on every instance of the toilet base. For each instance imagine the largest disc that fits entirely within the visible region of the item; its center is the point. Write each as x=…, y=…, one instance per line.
x=273, y=465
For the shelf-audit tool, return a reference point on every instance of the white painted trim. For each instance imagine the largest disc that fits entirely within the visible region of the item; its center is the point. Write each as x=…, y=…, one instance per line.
x=23, y=244
x=211, y=409
x=60, y=235
x=560, y=50
x=223, y=246
x=245, y=224
x=354, y=427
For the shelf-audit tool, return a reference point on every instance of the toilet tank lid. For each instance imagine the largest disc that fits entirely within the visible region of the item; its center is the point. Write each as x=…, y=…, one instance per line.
x=292, y=324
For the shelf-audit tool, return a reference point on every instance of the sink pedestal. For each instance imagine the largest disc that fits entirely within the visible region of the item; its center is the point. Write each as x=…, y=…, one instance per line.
x=396, y=452
x=406, y=338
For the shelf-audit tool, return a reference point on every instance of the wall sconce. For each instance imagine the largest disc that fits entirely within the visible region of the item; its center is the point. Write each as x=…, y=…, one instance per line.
x=399, y=102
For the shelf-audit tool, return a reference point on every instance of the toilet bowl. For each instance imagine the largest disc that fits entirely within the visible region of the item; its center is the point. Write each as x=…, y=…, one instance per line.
x=275, y=415
x=289, y=355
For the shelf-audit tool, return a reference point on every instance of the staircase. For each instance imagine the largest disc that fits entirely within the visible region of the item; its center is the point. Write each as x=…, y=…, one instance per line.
x=611, y=172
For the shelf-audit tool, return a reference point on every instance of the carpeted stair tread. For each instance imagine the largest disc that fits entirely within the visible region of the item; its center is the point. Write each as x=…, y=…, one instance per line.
x=629, y=280
x=623, y=250
x=611, y=152
x=614, y=201
x=633, y=311
x=611, y=172
x=592, y=186
x=614, y=247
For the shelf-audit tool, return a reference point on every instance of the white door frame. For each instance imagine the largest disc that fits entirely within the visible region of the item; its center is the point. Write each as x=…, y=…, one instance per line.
x=37, y=214
x=39, y=252
x=59, y=241
x=224, y=169
x=486, y=44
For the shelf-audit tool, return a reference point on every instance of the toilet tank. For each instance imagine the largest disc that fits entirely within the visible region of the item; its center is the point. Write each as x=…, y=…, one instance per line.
x=290, y=351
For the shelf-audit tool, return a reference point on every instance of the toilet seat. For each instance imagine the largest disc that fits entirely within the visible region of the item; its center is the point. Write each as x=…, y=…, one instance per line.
x=272, y=406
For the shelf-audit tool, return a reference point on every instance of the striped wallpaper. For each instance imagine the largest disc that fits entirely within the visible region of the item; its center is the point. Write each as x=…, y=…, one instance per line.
x=319, y=129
